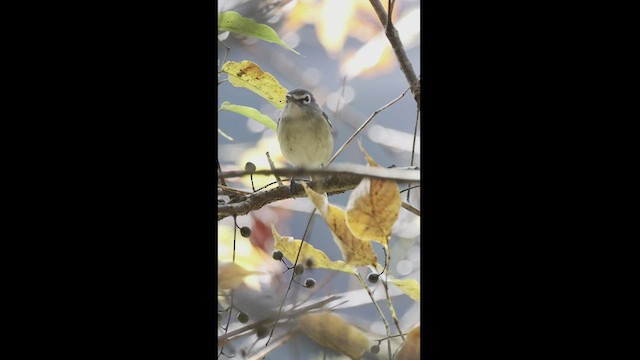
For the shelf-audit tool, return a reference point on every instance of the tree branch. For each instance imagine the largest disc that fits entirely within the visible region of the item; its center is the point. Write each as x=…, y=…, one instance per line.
x=336, y=181
x=402, y=175
x=398, y=48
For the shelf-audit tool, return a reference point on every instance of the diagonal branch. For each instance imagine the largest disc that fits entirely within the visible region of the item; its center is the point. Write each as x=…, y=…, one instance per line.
x=398, y=48
x=365, y=124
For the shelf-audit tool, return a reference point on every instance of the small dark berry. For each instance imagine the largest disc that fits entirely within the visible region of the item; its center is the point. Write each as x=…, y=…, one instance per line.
x=250, y=167
x=277, y=255
x=373, y=278
x=310, y=282
x=243, y=317
x=375, y=349
x=245, y=231
x=299, y=269
x=262, y=332
x=309, y=262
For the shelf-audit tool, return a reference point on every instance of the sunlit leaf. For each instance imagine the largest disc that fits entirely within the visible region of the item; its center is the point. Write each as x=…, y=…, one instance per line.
x=329, y=330
x=376, y=56
x=247, y=256
x=234, y=22
x=411, y=348
x=251, y=113
x=249, y=75
x=373, y=59
x=231, y=275
x=336, y=21
x=336, y=17
x=319, y=259
x=355, y=251
x=373, y=207
x=409, y=286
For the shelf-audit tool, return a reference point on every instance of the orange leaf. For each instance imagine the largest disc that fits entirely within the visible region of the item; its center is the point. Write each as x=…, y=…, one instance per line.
x=373, y=207
x=355, y=251
x=331, y=331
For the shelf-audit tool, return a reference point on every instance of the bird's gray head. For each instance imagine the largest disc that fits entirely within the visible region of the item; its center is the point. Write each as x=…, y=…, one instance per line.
x=300, y=97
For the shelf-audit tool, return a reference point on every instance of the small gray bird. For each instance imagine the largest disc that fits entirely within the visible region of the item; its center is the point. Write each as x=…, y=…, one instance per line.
x=304, y=131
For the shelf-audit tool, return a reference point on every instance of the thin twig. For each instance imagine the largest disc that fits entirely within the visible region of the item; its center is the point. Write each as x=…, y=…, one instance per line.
x=273, y=167
x=337, y=112
x=293, y=275
x=410, y=207
x=222, y=182
x=375, y=304
x=386, y=291
x=226, y=329
x=289, y=313
x=224, y=59
x=262, y=353
x=365, y=124
x=409, y=188
x=394, y=38
x=413, y=148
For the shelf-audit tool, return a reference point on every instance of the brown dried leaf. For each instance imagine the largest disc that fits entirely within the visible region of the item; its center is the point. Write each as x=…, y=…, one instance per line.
x=355, y=251
x=331, y=331
x=320, y=260
x=411, y=348
x=373, y=207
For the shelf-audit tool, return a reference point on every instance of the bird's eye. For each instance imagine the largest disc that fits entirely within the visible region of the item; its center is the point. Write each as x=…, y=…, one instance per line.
x=306, y=99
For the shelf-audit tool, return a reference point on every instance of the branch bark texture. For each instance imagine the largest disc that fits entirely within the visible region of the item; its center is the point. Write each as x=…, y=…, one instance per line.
x=394, y=38
x=334, y=182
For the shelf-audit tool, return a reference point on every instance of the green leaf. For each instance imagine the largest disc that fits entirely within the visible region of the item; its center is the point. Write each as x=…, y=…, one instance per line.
x=234, y=22
x=251, y=113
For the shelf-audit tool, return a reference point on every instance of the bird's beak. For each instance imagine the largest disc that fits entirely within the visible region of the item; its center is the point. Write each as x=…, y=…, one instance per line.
x=289, y=97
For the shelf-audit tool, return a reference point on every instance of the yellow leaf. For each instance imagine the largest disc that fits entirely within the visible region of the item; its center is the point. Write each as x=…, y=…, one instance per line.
x=320, y=260
x=411, y=348
x=409, y=286
x=246, y=255
x=373, y=207
x=249, y=75
x=331, y=331
x=355, y=251
x=231, y=275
